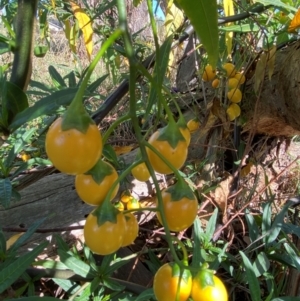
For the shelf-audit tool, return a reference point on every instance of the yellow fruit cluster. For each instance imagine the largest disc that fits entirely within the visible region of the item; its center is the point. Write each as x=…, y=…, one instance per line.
x=233, y=81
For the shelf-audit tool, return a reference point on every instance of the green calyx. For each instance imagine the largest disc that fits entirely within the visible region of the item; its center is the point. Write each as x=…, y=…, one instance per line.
x=171, y=133
x=184, y=274
x=106, y=212
x=205, y=278
x=101, y=170
x=181, y=122
x=180, y=190
x=76, y=117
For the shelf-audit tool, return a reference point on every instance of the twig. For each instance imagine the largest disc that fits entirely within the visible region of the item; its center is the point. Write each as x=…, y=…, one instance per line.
x=262, y=190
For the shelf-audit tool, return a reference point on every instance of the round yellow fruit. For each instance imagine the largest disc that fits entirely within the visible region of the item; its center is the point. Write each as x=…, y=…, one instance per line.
x=235, y=95
x=232, y=83
x=240, y=77
x=215, y=83
x=230, y=69
x=208, y=73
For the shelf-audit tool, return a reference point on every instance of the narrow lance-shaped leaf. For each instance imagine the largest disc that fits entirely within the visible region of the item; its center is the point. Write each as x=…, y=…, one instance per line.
x=160, y=69
x=229, y=11
x=12, y=272
x=203, y=15
x=70, y=33
x=47, y=105
x=251, y=278
x=5, y=192
x=77, y=266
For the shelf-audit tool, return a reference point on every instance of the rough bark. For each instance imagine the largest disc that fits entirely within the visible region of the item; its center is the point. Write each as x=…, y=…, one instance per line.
x=278, y=107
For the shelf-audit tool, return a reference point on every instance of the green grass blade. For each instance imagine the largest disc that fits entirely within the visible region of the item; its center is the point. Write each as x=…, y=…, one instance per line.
x=12, y=272
x=252, y=279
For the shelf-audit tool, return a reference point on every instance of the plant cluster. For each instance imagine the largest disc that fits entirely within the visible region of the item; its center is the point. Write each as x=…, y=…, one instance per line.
x=194, y=248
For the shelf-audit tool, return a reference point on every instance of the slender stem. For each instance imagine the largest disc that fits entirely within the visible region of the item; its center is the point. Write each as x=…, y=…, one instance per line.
x=183, y=248
x=166, y=161
x=80, y=93
x=137, y=129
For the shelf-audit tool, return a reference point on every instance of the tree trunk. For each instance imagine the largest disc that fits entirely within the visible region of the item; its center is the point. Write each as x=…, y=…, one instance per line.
x=278, y=107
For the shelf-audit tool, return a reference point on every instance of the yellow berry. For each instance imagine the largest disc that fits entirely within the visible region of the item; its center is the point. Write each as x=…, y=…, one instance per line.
x=215, y=83
x=233, y=111
x=230, y=69
x=232, y=83
x=193, y=125
x=208, y=73
x=240, y=77
x=234, y=95
x=25, y=157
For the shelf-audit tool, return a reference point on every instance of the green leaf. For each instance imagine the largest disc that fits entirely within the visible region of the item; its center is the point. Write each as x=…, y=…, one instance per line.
x=94, y=85
x=72, y=79
x=211, y=225
x=261, y=264
x=197, y=259
x=45, y=106
x=277, y=3
x=28, y=164
x=291, y=229
x=266, y=219
x=241, y=28
x=57, y=79
x=90, y=289
x=11, y=273
x=2, y=245
x=5, y=192
x=277, y=225
x=115, y=266
x=294, y=257
x=62, y=245
x=14, y=100
x=35, y=299
x=113, y=285
x=40, y=51
x=50, y=264
x=40, y=86
x=286, y=299
x=77, y=266
x=160, y=69
x=146, y=295
x=110, y=154
x=70, y=287
x=18, y=146
x=252, y=226
x=251, y=278
x=204, y=18
x=23, y=238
